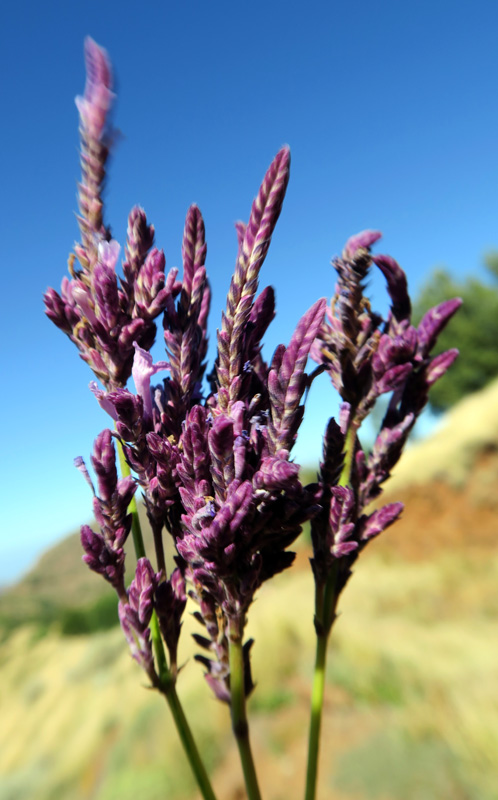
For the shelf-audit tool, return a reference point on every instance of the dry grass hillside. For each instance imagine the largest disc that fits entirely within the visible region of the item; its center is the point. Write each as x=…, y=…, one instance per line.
x=449, y=484
x=412, y=695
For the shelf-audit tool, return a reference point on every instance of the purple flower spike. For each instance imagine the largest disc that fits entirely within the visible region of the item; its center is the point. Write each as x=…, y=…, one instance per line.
x=185, y=328
x=378, y=521
x=367, y=356
x=104, y=464
x=194, y=249
x=142, y=589
x=433, y=322
x=101, y=316
x=103, y=559
x=96, y=135
x=287, y=380
x=140, y=238
x=135, y=616
x=439, y=365
x=104, y=552
x=341, y=524
x=171, y=600
x=266, y=209
x=397, y=286
x=221, y=442
x=276, y=474
x=361, y=241
x=96, y=101
x=252, y=252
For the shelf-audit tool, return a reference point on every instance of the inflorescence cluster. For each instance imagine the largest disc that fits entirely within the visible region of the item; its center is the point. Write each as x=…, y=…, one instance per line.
x=215, y=465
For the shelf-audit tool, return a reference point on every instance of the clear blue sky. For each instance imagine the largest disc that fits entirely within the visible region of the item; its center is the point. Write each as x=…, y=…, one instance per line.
x=391, y=113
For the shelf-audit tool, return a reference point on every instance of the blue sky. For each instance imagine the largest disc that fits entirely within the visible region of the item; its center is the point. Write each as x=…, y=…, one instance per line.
x=391, y=113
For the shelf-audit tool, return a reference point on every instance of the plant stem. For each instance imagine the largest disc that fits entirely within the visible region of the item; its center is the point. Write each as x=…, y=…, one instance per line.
x=136, y=530
x=316, y=716
x=188, y=742
x=349, y=446
x=325, y=603
x=138, y=541
x=240, y=724
x=166, y=679
x=157, y=643
x=325, y=606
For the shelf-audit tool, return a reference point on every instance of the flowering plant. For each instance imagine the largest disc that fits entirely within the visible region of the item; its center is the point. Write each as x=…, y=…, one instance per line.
x=214, y=465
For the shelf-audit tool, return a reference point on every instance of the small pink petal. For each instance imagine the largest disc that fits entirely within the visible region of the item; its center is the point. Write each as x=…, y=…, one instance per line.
x=142, y=371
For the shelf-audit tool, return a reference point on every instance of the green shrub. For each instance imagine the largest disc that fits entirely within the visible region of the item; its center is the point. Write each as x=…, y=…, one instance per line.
x=99, y=616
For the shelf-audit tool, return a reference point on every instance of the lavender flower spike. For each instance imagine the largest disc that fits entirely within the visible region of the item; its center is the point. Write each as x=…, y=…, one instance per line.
x=102, y=315
x=367, y=356
x=135, y=616
x=433, y=322
x=139, y=240
x=104, y=551
x=252, y=252
x=361, y=241
x=185, y=328
x=93, y=108
x=286, y=380
x=97, y=99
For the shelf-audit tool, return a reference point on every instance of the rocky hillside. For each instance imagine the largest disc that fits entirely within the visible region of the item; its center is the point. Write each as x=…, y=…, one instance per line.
x=449, y=484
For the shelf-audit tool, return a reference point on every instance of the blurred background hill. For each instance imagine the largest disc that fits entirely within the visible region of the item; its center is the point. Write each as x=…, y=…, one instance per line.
x=412, y=696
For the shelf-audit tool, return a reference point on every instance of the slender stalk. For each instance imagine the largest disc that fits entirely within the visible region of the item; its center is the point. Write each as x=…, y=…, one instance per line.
x=349, y=446
x=325, y=607
x=240, y=724
x=166, y=679
x=157, y=532
x=157, y=643
x=188, y=742
x=316, y=716
x=325, y=604
x=138, y=541
x=136, y=530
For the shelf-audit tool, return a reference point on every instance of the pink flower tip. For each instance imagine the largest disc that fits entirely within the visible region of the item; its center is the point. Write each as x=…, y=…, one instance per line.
x=94, y=106
x=363, y=240
x=142, y=371
x=109, y=253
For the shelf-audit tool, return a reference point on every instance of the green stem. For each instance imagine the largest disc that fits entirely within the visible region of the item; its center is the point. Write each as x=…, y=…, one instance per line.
x=157, y=644
x=166, y=679
x=325, y=607
x=316, y=716
x=349, y=446
x=240, y=724
x=188, y=742
x=136, y=530
x=325, y=604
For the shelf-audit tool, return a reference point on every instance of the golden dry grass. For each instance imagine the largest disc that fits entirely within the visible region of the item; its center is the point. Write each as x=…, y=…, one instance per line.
x=414, y=653
x=471, y=427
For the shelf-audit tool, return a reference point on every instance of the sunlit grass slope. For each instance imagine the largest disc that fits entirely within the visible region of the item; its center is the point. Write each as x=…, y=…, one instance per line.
x=467, y=431
x=411, y=710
